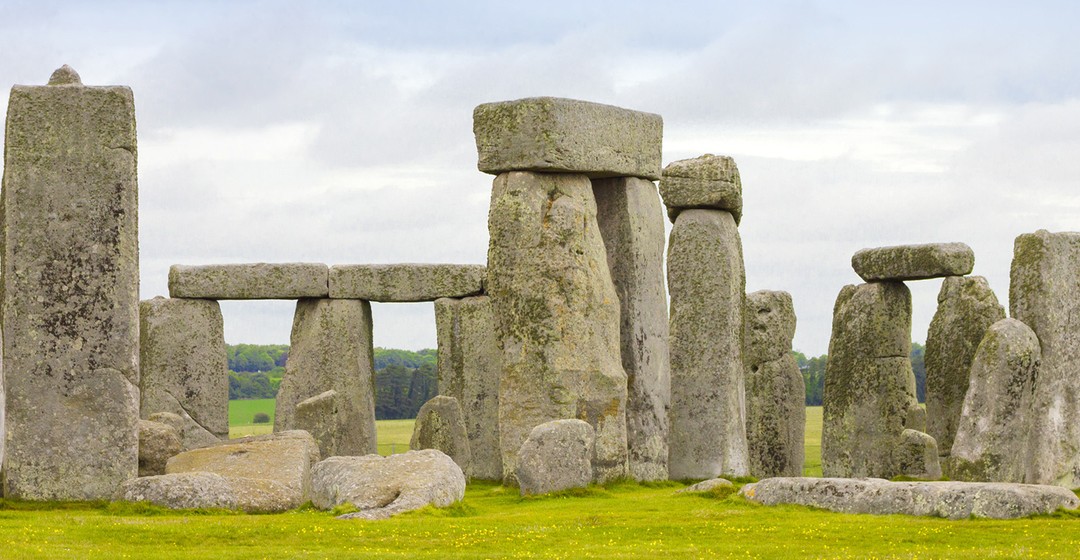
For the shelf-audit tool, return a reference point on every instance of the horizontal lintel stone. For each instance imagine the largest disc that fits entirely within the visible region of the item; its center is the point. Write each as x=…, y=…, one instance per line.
x=551, y=134
x=913, y=262
x=703, y=182
x=406, y=282
x=249, y=281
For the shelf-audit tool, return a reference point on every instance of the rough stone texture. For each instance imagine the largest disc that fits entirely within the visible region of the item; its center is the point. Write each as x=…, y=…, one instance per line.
x=249, y=281
x=1044, y=293
x=192, y=436
x=631, y=222
x=158, y=442
x=913, y=262
x=284, y=458
x=707, y=284
x=551, y=134
x=966, y=308
x=70, y=308
x=440, y=425
x=210, y=490
x=703, y=182
x=951, y=500
x=555, y=457
x=184, y=369
x=406, y=282
x=557, y=315
x=318, y=416
x=331, y=351
x=993, y=434
x=470, y=364
x=707, y=485
x=775, y=391
x=917, y=455
x=382, y=487
x=869, y=384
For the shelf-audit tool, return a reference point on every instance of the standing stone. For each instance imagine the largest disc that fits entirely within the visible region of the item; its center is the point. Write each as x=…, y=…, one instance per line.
x=966, y=308
x=869, y=385
x=318, y=416
x=557, y=315
x=184, y=367
x=470, y=363
x=330, y=349
x=917, y=455
x=556, y=457
x=993, y=436
x=192, y=436
x=707, y=284
x=631, y=221
x=70, y=290
x=1044, y=293
x=775, y=390
x=440, y=425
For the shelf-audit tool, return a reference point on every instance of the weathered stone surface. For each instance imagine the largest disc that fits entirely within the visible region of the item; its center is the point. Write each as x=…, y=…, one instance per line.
x=917, y=455
x=318, y=416
x=192, y=436
x=869, y=384
x=406, y=282
x=951, y=500
x=775, y=417
x=629, y=214
x=551, y=134
x=157, y=443
x=707, y=485
x=382, y=487
x=993, y=436
x=770, y=326
x=1044, y=293
x=70, y=291
x=210, y=490
x=557, y=315
x=556, y=456
x=913, y=262
x=470, y=364
x=183, y=365
x=440, y=425
x=284, y=458
x=703, y=182
x=249, y=281
x=966, y=308
x=707, y=284
x=331, y=351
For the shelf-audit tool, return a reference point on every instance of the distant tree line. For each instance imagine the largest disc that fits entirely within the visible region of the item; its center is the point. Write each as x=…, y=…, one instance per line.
x=404, y=380
x=813, y=372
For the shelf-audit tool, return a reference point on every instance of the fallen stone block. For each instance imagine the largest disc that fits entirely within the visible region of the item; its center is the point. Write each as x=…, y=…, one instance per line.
x=951, y=500
x=556, y=456
x=440, y=425
x=703, y=182
x=158, y=442
x=551, y=134
x=913, y=262
x=210, y=490
x=406, y=282
x=249, y=281
x=382, y=487
x=707, y=486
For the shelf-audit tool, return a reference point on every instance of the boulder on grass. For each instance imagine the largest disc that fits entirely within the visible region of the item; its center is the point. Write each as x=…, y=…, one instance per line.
x=556, y=456
x=210, y=490
x=157, y=443
x=381, y=487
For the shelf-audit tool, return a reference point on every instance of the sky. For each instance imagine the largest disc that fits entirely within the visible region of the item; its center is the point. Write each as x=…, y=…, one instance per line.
x=341, y=132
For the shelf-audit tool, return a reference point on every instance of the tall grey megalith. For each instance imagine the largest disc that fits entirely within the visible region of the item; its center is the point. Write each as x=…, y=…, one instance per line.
x=70, y=307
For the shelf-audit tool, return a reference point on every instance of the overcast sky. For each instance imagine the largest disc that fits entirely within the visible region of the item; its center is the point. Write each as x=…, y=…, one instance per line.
x=341, y=132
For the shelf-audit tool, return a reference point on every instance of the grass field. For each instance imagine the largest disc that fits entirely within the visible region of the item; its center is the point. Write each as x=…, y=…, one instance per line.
x=392, y=435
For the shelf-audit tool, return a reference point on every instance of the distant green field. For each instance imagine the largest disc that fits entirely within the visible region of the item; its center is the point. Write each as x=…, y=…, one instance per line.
x=393, y=435
x=242, y=413
x=812, y=464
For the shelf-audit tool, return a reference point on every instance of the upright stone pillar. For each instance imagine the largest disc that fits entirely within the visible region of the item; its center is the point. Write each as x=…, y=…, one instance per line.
x=184, y=367
x=70, y=291
x=966, y=308
x=557, y=311
x=632, y=224
x=330, y=350
x=707, y=285
x=1044, y=293
x=775, y=390
x=470, y=363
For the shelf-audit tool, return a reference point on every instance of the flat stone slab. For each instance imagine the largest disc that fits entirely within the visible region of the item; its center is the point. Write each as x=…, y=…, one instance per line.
x=913, y=262
x=406, y=282
x=249, y=281
x=951, y=500
x=703, y=182
x=552, y=134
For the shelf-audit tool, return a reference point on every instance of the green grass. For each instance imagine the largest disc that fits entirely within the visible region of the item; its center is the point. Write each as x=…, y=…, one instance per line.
x=812, y=444
x=242, y=412
x=393, y=435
